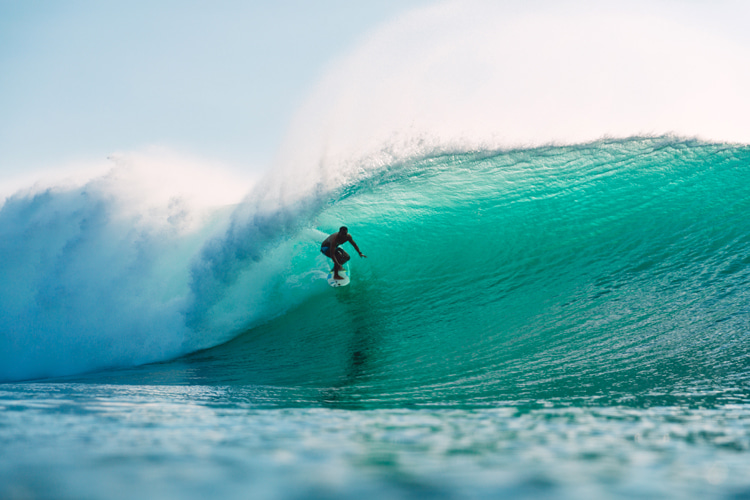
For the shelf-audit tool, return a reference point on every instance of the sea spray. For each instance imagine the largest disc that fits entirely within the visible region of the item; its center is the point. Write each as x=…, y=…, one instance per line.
x=96, y=275
x=486, y=75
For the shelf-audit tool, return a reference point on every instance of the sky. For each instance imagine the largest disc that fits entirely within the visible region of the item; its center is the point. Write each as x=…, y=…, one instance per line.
x=82, y=79
x=246, y=85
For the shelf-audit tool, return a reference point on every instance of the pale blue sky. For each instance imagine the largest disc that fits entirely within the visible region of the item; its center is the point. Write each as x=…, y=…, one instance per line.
x=81, y=79
x=221, y=80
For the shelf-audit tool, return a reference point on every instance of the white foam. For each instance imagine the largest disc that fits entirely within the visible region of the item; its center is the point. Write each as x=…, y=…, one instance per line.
x=97, y=274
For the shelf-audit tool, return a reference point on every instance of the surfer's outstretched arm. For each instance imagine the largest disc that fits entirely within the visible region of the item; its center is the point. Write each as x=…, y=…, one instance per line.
x=351, y=240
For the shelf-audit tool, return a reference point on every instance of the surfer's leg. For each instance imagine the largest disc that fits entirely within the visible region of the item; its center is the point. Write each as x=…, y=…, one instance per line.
x=342, y=256
x=336, y=269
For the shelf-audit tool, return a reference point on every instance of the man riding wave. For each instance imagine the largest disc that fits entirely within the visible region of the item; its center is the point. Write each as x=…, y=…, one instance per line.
x=331, y=249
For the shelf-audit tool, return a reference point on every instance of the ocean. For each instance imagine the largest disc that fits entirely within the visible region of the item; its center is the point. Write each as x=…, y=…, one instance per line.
x=543, y=322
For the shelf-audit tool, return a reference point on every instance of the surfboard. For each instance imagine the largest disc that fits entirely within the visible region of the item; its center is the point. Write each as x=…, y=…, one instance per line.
x=344, y=273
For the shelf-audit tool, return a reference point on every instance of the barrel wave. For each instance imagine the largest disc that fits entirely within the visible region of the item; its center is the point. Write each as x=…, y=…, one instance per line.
x=614, y=271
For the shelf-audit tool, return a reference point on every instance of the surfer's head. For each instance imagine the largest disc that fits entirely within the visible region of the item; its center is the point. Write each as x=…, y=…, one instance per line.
x=343, y=230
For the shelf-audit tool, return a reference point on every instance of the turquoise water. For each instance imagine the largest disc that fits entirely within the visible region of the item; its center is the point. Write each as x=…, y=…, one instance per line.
x=557, y=322
x=613, y=271
x=150, y=441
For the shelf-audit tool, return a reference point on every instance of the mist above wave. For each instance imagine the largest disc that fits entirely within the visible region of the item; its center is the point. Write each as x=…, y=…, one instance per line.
x=485, y=75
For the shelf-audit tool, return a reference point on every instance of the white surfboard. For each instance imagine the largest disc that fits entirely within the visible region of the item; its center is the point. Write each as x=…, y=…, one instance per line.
x=344, y=273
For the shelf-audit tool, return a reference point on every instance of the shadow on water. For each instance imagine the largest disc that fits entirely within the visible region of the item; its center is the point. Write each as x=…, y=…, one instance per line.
x=320, y=350
x=355, y=303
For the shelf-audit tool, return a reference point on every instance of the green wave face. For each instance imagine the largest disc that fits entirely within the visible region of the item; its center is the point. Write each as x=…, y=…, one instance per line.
x=614, y=270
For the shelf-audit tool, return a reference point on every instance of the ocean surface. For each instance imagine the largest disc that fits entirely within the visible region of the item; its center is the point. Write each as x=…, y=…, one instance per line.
x=551, y=322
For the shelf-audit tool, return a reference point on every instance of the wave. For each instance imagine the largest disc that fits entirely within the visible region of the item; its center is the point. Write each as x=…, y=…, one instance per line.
x=462, y=140
x=616, y=267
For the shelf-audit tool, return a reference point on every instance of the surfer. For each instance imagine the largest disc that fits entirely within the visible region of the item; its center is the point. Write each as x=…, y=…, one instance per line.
x=331, y=249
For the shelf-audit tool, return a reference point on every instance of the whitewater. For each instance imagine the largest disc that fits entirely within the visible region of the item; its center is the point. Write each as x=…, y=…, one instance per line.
x=554, y=303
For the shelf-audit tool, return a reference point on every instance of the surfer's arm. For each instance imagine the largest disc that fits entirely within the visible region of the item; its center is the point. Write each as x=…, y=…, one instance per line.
x=351, y=240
